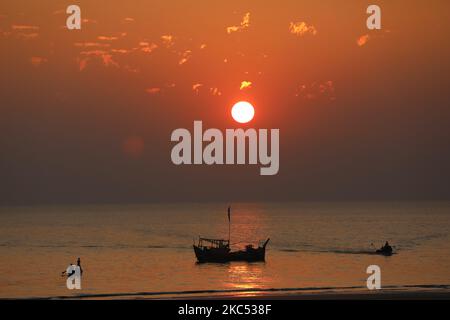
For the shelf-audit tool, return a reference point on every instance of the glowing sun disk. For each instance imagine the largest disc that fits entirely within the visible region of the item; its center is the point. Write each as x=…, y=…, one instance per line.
x=242, y=112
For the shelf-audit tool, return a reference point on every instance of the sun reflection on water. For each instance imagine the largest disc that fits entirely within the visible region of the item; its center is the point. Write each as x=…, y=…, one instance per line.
x=246, y=276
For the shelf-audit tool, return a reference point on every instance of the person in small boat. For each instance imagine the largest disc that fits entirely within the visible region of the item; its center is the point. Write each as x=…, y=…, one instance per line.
x=386, y=247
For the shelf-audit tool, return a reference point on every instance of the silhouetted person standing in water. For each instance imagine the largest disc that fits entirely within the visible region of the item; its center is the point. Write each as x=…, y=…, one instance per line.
x=79, y=265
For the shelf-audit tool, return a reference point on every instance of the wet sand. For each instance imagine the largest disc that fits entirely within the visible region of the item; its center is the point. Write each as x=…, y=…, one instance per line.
x=375, y=295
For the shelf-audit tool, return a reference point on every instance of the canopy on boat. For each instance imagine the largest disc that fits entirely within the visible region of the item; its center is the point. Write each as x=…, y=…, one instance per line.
x=217, y=243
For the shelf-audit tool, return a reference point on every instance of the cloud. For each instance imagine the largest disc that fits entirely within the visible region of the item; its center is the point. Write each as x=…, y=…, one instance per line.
x=128, y=20
x=107, y=38
x=185, y=57
x=102, y=51
x=215, y=91
x=91, y=44
x=246, y=85
x=167, y=40
x=5, y=34
x=203, y=46
x=88, y=21
x=37, y=61
x=24, y=27
x=362, y=40
x=147, y=47
x=82, y=63
x=108, y=60
x=153, y=90
x=93, y=52
x=301, y=28
x=121, y=51
x=245, y=23
x=196, y=87
x=104, y=56
x=25, y=32
x=27, y=36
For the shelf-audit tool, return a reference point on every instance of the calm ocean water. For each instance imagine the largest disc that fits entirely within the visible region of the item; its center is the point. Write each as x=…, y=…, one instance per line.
x=148, y=248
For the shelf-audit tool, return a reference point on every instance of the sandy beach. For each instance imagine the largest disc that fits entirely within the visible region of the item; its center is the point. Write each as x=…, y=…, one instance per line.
x=413, y=293
x=375, y=295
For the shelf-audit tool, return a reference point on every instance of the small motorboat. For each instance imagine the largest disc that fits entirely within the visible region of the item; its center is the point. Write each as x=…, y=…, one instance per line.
x=385, y=250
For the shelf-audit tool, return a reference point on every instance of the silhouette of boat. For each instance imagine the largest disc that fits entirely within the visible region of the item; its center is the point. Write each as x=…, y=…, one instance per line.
x=385, y=251
x=218, y=250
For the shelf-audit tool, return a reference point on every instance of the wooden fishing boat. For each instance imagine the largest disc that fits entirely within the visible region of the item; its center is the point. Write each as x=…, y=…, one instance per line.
x=218, y=250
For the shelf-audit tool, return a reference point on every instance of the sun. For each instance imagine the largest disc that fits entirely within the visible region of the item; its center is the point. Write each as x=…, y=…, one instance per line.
x=242, y=112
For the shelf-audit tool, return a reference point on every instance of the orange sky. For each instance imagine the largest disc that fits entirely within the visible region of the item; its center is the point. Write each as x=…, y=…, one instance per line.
x=96, y=106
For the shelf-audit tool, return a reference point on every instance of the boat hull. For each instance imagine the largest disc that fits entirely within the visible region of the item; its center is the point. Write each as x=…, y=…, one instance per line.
x=384, y=252
x=223, y=255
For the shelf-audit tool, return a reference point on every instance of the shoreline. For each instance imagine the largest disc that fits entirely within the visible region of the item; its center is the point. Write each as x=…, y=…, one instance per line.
x=350, y=293
x=332, y=295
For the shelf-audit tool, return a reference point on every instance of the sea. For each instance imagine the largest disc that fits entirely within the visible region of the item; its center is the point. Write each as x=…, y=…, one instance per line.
x=145, y=251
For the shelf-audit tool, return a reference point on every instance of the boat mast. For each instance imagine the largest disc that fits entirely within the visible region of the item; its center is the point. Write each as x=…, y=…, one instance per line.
x=229, y=224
